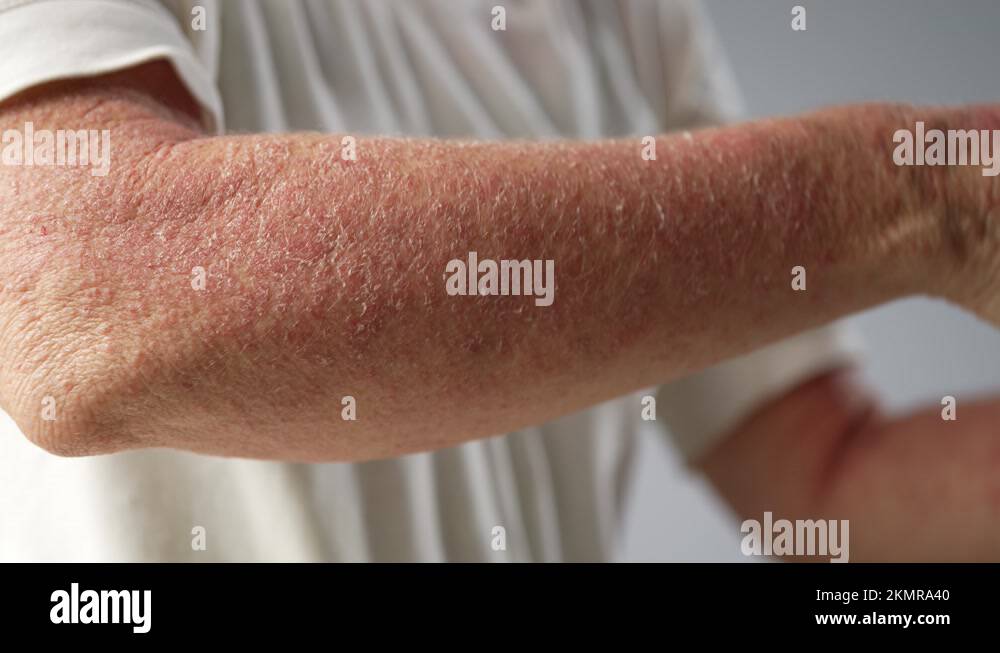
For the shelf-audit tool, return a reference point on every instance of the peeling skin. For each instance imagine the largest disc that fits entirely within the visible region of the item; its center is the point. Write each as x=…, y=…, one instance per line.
x=325, y=276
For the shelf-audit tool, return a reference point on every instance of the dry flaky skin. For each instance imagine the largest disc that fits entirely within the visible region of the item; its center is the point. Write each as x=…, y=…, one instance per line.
x=326, y=277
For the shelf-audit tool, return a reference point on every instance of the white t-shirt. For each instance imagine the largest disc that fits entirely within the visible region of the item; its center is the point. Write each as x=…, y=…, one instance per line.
x=584, y=68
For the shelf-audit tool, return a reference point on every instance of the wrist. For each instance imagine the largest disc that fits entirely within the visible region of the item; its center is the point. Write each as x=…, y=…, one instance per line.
x=965, y=199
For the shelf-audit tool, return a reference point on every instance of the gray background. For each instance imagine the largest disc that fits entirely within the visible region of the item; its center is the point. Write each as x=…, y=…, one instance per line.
x=921, y=51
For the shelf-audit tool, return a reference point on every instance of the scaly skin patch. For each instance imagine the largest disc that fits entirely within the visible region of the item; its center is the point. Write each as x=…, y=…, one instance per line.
x=325, y=277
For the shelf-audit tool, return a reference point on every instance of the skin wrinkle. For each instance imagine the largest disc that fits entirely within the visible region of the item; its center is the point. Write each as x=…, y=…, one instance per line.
x=325, y=276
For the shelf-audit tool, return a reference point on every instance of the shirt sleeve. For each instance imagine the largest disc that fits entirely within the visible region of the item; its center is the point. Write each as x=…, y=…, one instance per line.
x=47, y=40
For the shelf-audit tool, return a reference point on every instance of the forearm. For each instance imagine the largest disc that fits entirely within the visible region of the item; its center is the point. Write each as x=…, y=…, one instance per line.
x=913, y=487
x=326, y=277
x=936, y=483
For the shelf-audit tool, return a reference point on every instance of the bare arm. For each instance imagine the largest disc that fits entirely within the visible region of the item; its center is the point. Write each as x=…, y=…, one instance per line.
x=325, y=277
x=915, y=488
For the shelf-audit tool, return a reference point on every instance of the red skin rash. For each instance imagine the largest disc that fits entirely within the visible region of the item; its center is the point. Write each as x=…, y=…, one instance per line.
x=324, y=277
